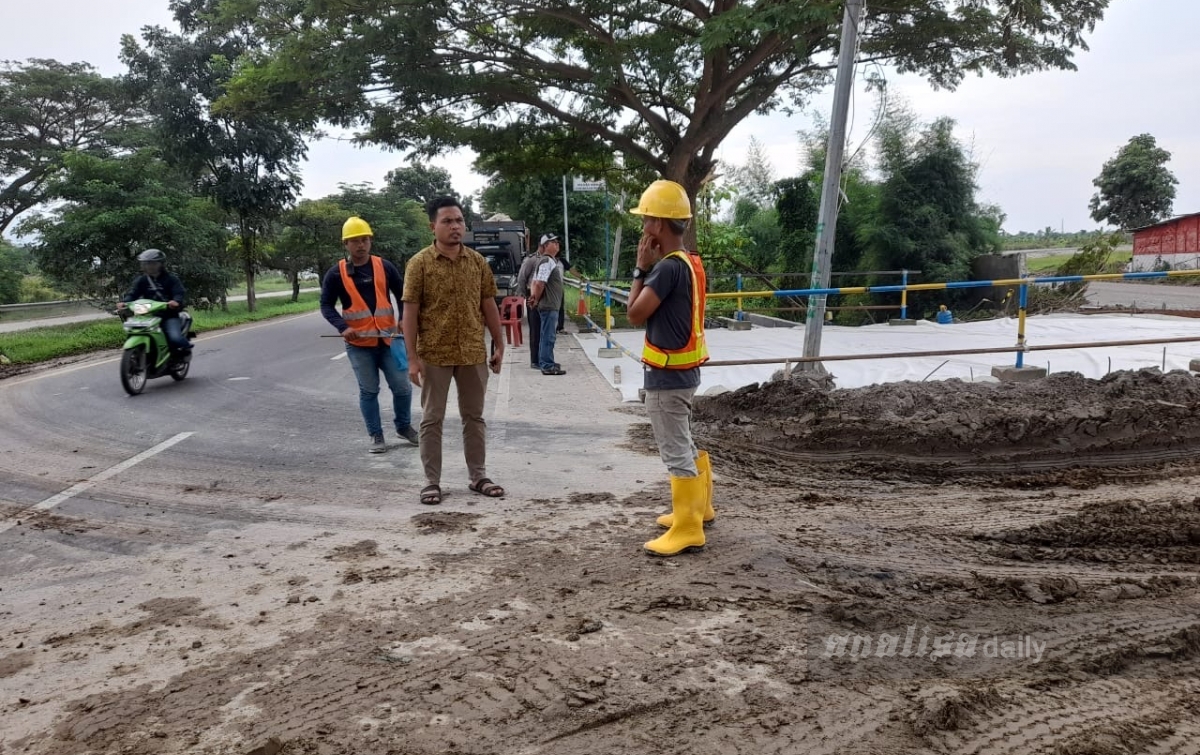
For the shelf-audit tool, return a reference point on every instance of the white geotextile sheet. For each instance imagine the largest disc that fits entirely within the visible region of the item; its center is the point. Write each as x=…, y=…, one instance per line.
x=760, y=343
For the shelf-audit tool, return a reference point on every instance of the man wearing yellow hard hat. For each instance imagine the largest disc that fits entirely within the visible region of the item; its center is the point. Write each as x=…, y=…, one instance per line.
x=364, y=285
x=668, y=296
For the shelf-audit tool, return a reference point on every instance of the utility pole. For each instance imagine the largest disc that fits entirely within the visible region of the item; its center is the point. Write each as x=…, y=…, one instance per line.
x=831, y=190
x=566, y=222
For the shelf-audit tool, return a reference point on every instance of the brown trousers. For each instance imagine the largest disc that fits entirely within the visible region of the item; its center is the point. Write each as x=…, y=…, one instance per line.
x=471, y=381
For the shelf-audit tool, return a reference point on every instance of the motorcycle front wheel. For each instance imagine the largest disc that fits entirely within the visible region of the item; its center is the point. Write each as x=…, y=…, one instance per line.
x=133, y=370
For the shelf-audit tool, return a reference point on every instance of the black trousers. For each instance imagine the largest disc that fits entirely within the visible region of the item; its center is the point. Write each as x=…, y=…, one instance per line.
x=535, y=334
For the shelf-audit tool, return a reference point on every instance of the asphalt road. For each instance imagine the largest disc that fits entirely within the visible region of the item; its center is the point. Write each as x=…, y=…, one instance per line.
x=1144, y=295
x=195, y=490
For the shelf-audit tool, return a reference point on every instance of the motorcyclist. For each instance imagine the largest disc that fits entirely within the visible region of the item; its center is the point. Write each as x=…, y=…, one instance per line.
x=159, y=285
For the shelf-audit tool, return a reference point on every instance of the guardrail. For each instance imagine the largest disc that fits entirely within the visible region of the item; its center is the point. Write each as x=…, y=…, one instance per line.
x=41, y=309
x=1023, y=283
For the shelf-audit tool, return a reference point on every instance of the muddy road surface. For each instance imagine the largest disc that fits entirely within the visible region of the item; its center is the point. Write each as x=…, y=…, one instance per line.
x=265, y=586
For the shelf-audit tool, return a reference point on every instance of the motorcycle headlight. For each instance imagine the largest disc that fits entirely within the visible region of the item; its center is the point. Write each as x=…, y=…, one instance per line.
x=141, y=308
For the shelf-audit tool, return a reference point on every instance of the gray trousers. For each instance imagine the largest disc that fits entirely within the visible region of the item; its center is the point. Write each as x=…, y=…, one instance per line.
x=671, y=418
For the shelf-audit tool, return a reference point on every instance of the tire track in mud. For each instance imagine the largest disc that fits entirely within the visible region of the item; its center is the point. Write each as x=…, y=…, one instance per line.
x=1038, y=722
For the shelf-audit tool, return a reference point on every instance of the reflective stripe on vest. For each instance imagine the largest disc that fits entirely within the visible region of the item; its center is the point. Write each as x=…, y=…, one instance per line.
x=695, y=352
x=366, y=325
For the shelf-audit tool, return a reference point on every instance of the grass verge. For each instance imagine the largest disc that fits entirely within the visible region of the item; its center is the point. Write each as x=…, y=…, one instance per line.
x=1051, y=263
x=57, y=341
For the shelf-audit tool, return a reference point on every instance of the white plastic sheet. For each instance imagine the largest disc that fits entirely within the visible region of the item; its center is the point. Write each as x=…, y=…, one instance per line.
x=761, y=343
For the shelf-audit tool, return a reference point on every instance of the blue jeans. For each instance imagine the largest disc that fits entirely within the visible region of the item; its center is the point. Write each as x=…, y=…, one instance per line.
x=546, y=342
x=368, y=362
x=172, y=328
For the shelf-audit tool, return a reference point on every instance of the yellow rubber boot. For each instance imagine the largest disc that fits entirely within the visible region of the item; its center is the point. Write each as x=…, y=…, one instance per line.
x=704, y=467
x=687, y=532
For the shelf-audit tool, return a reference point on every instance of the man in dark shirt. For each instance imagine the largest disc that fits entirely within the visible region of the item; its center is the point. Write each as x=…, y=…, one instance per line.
x=668, y=296
x=159, y=285
x=364, y=286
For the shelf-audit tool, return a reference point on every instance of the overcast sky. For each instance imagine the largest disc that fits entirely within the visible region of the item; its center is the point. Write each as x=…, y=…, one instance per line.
x=1040, y=139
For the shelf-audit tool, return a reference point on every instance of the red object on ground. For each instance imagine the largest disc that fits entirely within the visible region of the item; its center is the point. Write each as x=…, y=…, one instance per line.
x=510, y=319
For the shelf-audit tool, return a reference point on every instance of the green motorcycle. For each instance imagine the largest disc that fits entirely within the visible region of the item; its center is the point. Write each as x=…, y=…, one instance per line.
x=147, y=355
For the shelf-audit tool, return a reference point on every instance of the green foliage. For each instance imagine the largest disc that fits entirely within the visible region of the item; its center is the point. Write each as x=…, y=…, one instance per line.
x=420, y=183
x=57, y=341
x=114, y=208
x=1135, y=187
x=13, y=268
x=1093, y=258
x=927, y=218
x=47, y=110
x=400, y=224
x=34, y=289
x=662, y=82
x=245, y=162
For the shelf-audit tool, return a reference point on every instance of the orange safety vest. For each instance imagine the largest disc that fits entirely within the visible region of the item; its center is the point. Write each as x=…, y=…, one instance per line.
x=695, y=351
x=369, y=326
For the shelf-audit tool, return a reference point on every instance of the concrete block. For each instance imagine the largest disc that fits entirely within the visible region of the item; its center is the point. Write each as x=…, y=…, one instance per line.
x=1194, y=365
x=1018, y=374
x=766, y=321
x=642, y=395
x=607, y=353
x=899, y=321
x=733, y=324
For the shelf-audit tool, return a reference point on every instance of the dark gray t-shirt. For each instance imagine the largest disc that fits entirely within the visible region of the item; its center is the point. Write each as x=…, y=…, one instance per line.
x=550, y=271
x=670, y=326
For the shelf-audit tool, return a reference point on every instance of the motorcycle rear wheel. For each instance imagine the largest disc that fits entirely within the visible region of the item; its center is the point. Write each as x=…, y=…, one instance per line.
x=180, y=370
x=133, y=370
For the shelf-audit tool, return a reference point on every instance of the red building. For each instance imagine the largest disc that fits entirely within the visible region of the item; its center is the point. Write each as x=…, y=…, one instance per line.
x=1174, y=242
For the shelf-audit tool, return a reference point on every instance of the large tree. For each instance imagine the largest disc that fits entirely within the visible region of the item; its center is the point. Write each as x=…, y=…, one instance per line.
x=1135, y=187
x=928, y=218
x=47, y=110
x=661, y=81
x=306, y=240
x=111, y=209
x=246, y=162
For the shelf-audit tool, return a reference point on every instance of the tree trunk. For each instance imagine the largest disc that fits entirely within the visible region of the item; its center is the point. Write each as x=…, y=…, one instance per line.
x=692, y=173
x=295, y=286
x=224, y=302
x=248, y=260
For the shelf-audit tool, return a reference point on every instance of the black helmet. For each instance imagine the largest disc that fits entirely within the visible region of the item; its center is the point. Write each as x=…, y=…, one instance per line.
x=152, y=255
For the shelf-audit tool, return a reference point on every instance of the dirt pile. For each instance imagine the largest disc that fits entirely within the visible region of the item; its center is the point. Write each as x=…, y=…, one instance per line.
x=1064, y=414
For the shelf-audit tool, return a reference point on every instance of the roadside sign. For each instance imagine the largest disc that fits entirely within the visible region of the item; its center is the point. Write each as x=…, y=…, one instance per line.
x=583, y=184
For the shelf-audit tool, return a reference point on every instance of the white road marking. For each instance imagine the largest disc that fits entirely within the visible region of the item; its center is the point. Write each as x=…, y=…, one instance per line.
x=112, y=471
x=238, y=378
x=203, y=339
x=339, y=356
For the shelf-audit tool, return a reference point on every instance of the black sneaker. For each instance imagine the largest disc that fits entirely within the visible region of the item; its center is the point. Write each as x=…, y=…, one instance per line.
x=378, y=445
x=410, y=435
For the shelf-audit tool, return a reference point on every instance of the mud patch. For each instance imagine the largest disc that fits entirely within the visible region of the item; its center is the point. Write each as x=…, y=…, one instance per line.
x=360, y=550
x=1116, y=531
x=13, y=663
x=639, y=438
x=445, y=522
x=1146, y=417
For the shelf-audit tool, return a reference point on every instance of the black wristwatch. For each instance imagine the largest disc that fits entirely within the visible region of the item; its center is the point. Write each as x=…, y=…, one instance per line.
x=638, y=273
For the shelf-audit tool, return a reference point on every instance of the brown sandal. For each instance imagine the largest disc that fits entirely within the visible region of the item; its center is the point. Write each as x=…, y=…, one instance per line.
x=431, y=495
x=486, y=487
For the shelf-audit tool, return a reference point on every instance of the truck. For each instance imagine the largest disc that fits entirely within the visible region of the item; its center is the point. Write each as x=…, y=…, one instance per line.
x=503, y=242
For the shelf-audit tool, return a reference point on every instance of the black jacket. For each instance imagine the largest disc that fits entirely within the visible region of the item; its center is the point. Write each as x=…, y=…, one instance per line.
x=333, y=291
x=166, y=287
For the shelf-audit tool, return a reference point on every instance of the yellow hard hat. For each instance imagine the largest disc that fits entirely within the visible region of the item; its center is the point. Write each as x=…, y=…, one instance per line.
x=355, y=227
x=664, y=199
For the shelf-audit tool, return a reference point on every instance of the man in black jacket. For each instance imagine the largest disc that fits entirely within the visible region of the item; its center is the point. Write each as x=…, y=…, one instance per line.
x=159, y=285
